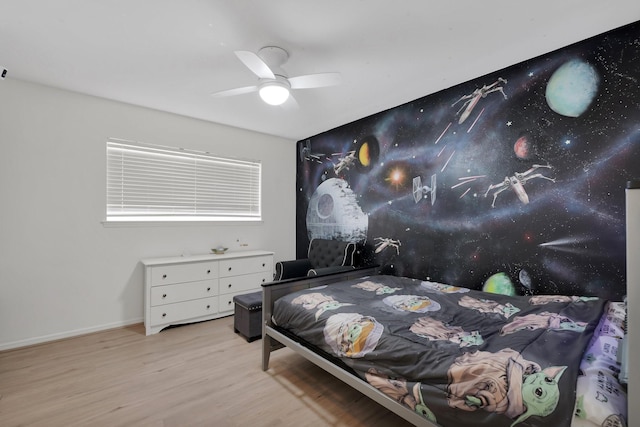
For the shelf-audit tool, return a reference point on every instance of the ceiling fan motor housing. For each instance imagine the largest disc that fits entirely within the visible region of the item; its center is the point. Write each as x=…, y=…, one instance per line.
x=274, y=57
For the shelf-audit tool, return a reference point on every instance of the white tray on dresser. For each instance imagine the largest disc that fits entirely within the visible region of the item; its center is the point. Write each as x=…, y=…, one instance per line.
x=180, y=290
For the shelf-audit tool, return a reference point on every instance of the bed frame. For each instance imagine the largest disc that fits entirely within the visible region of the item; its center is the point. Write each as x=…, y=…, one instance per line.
x=273, y=340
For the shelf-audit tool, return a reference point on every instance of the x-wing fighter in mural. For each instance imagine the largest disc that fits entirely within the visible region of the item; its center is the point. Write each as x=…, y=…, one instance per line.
x=385, y=242
x=347, y=160
x=471, y=100
x=516, y=183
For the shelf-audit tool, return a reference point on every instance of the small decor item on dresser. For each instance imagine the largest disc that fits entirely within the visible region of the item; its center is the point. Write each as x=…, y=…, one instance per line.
x=219, y=250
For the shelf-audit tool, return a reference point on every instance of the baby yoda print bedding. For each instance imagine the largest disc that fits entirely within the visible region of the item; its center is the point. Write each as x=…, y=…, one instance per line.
x=455, y=356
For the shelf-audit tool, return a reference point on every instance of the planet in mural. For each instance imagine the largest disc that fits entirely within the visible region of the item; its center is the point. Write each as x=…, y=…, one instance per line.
x=334, y=213
x=499, y=283
x=367, y=152
x=522, y=148
x=572, y=88
x=525, y=278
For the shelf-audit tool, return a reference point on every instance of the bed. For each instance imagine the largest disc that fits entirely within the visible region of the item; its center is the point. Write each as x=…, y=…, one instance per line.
x=441, y=355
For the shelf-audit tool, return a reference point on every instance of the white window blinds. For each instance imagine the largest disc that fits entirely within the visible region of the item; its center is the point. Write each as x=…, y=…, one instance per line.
x=154, y=183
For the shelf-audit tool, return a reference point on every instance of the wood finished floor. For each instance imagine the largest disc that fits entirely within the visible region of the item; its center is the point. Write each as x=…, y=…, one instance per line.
x=195, y=375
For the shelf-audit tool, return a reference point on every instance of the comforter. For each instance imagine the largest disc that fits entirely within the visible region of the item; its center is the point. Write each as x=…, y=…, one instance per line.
x=454, y=355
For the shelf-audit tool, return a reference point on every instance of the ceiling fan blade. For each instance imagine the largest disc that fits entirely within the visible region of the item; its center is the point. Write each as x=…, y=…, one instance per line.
x=315, y=80
x=290, y=104
x=255, y=64
x=234, y=92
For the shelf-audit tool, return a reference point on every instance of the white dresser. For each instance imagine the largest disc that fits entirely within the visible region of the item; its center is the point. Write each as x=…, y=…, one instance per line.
x=201, y=287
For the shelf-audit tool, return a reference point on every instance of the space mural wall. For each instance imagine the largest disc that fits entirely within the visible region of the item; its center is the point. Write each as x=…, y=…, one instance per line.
x=514, y=180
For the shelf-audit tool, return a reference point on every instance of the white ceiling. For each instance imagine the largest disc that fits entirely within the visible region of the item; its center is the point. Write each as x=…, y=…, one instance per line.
x=170, y=55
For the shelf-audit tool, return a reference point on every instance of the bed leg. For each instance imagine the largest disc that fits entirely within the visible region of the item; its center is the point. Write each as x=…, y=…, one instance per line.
x=266, y=351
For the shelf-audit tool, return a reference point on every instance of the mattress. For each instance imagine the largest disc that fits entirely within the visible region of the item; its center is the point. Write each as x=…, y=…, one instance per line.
x=453, y=355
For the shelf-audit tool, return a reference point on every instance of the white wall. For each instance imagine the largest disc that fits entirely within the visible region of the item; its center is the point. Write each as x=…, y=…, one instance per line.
x=62, y=272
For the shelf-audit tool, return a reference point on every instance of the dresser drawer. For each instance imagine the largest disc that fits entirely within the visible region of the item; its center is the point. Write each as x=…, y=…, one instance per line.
x=256, y=264
x=179, y=273
x=169, y=294
x=226, y=303
x=246, y=282
x=183, y=311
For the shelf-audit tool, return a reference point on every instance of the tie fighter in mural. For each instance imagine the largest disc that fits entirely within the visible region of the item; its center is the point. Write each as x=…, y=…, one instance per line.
x=516, y=183
x=422, y=191
x=385, y=242
x=307, y=154
x=473, y=98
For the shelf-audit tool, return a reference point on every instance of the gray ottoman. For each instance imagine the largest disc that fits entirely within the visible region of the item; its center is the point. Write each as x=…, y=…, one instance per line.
x=247, y=318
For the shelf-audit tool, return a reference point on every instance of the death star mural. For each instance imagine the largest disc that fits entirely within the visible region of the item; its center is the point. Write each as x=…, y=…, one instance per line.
x=334, y=213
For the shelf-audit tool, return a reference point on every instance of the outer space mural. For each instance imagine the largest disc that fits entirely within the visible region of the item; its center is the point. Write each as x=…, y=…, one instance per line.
x=514, y=180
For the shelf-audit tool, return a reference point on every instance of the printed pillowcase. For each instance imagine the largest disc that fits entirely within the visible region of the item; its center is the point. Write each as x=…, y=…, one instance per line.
x=601, y=400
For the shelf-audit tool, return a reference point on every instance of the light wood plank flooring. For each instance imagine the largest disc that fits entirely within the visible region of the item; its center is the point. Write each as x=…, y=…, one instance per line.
x=194, y=375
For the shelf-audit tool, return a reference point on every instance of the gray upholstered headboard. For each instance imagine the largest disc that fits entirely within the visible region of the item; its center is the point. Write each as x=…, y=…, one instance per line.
x=330, y=253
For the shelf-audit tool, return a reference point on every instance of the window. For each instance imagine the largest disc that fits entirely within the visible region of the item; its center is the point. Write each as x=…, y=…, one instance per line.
x=154, y=183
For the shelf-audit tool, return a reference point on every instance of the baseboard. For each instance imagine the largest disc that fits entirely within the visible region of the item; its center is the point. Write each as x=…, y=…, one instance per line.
x=67, y=334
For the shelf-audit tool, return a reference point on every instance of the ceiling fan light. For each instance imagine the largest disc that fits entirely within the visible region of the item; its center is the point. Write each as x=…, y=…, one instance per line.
x=274, y=94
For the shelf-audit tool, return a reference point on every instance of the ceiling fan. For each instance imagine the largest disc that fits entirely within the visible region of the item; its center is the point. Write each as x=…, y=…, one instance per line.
x=274, y=86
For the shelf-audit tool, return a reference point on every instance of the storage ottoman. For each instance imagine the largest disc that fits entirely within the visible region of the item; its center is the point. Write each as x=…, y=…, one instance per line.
x=247, y=318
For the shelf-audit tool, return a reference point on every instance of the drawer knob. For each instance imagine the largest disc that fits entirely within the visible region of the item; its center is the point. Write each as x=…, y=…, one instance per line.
x=228, y=302
x=263, y=280
x=263, y=264
x=229, y=285
x=208, y=307
x=229, y=268
x=164, y=276
x=208, y=271
x=164, y=314
x=164, y=295
x=208, y=289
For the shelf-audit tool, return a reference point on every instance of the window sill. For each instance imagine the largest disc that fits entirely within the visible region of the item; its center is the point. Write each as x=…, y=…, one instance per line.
x=160, y=223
